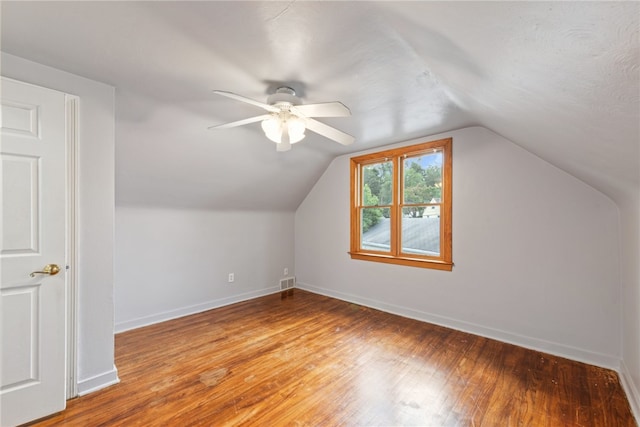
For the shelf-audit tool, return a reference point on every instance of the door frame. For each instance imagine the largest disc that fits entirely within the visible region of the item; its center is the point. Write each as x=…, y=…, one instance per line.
x=72, y=106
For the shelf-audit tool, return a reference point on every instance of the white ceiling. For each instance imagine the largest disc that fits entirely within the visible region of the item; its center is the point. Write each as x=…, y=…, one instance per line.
x=560, y=79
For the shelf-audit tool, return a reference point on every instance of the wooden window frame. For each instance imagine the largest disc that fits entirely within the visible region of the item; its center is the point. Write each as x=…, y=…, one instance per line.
x=444, y=260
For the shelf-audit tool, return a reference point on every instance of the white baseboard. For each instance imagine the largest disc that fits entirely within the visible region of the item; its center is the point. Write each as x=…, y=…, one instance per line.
x=98, y=382
x=561, y=350
x=633, y=396
x=193, y=309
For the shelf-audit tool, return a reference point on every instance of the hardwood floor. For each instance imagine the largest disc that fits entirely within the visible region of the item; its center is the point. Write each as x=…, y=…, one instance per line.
x=306, y=359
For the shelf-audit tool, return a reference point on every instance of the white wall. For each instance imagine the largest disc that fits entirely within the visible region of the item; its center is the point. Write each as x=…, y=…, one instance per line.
x=173, y=262
x=535, y=253
x=95, y=213
x=630, y=250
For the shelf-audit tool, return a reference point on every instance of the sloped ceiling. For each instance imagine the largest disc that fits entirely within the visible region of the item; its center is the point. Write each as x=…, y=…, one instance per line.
x=560, y=79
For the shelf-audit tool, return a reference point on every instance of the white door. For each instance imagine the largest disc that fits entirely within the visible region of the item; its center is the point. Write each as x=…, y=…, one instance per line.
x=32, y=306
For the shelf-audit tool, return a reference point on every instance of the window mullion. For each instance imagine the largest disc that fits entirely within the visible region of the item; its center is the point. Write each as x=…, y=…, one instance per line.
x=397, y=217
x=356, y=204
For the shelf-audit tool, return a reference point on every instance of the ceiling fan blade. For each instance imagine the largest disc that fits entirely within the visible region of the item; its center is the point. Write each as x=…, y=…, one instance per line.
x=325, y=109
x=240, y=98
x=241, y=122
x=285, y=141
x=330, y=132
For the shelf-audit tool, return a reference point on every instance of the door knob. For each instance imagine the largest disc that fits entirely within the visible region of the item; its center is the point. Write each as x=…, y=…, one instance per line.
x=50, y=269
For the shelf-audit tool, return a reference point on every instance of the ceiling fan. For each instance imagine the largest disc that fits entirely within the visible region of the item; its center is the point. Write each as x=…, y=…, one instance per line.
x=287, y=118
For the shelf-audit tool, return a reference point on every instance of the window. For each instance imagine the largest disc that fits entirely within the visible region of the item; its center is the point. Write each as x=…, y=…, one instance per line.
x=401, y=206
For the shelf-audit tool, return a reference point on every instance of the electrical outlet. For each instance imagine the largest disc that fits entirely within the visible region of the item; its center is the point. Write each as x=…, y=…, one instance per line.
x=286, y=271
x=231, y=278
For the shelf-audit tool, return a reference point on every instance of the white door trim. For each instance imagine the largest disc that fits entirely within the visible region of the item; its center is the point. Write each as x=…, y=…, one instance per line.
x=72, y=118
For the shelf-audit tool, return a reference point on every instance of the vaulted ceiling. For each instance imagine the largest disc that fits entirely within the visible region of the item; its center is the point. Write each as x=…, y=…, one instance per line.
x=560, y=79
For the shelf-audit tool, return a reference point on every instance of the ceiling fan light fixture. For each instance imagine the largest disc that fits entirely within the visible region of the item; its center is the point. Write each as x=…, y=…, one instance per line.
x=273, y=128
x=296, y=127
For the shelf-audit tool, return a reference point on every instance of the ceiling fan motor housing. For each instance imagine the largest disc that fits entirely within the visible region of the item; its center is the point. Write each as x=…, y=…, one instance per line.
x=284, y=95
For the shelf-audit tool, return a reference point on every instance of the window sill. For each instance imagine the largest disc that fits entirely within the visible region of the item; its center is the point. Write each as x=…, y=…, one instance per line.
x=412, y=262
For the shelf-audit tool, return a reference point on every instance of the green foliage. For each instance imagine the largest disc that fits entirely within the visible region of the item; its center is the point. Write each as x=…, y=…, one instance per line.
x=369, y=198
x=370, y=216
x=372, y=179
x=378, y=177
x=421, y=185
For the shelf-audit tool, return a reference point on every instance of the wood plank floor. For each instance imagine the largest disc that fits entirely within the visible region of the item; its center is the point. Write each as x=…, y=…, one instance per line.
x=309, y=360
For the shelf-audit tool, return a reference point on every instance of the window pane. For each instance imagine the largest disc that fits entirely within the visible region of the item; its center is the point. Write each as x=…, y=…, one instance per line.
x=421, y=230
x=375, y=231
x=423, y=178
x=376, y=184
